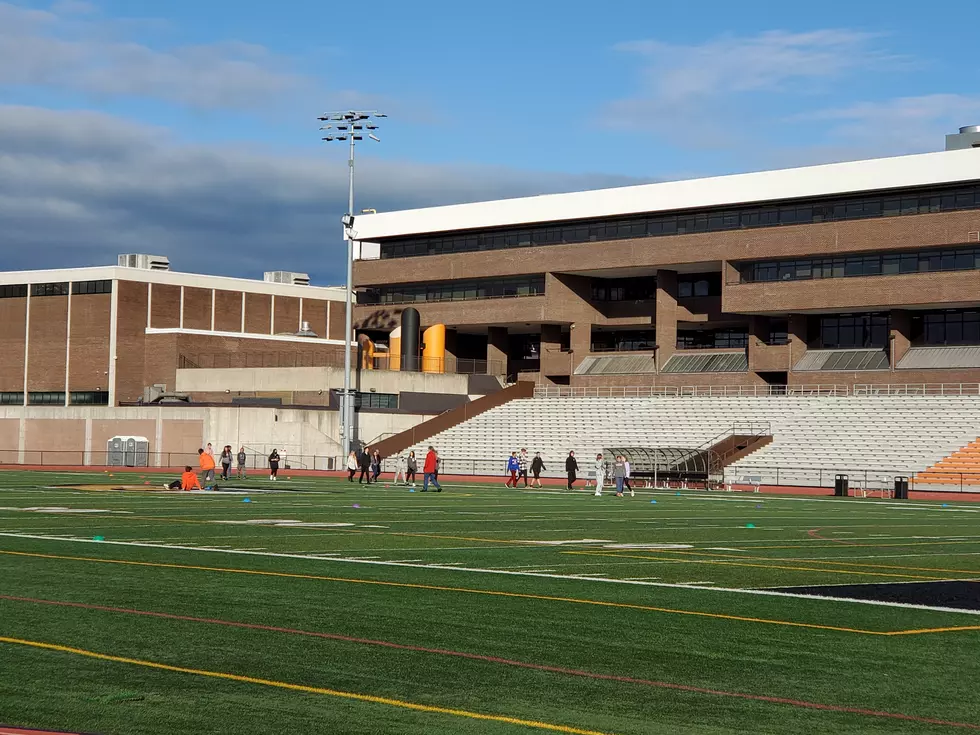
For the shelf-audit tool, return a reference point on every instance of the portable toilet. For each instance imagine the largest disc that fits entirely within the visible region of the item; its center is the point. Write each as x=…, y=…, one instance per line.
x=128, y=451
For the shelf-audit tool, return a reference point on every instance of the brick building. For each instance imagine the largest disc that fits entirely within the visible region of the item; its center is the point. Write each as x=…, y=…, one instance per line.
x=865, y=272
x=106, y=335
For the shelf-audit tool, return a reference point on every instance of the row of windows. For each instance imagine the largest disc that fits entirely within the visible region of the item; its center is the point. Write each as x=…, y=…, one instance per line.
x=55, y=398
x=89, y=287
x=869, y=264
x=624, y=289
x=946, y=328
x=375, y=400
x=19, y=290
x=712, y=338
x=858, y=206
x=488, y=288
x=702, y=284
x=852, y=331
x=624, y=340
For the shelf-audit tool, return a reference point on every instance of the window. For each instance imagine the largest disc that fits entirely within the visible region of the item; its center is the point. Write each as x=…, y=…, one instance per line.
x=775, y=214
x=950, y=327
x=624, y=289
x=87, y=287
x=14, y=291
x=868, y=264
x=11, y=398
x=49, y=289
x=488, y=288
x=778, y=332
x=46, y=398
x=699, y=284
x=853, y=331
x=89, y=397
x=713, y=339
x=624, y=340
x=375, y=400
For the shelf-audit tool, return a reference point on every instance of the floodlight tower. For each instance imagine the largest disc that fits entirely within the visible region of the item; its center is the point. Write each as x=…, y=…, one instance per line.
x=350, y=126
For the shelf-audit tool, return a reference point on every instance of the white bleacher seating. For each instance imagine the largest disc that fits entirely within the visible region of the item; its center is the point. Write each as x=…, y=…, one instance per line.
x=814, y=438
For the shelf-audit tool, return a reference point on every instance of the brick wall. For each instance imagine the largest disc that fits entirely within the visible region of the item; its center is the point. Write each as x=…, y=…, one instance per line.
x=12, y=334
x=46, y=351
x=89, y=356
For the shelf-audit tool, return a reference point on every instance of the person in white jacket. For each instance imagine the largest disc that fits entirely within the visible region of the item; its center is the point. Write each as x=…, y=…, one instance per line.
x=401, y=465
x=600, y=474
x=626, y=480
x=351, y=466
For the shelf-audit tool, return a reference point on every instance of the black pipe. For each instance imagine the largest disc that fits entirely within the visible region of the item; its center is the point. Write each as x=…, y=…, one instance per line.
x=410, y=339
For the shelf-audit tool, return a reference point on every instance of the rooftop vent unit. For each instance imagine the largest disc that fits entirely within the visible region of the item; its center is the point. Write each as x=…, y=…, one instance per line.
x=297, y=279
x=146, y=262
x=968, y=137
x=305, y=331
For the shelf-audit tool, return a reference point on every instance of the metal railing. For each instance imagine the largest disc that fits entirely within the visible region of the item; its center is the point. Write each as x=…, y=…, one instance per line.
x=223, y=360
x=694, y=391
x=735, y=391
x=789, y=476
x=918, y=389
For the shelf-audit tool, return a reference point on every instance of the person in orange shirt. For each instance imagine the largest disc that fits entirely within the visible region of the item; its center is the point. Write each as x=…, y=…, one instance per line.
x=188, y=481
x=207, y=467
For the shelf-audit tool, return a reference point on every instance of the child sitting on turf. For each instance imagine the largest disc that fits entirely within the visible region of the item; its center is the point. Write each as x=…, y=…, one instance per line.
x=187, y=481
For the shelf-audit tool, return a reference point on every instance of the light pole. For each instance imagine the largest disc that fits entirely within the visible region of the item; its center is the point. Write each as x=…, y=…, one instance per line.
x=351, y=126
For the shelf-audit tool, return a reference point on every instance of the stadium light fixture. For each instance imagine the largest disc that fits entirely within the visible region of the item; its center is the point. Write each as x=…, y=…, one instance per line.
x=349, y=126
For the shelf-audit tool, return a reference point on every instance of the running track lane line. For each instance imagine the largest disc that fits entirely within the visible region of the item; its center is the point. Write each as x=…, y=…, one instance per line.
x=466, y=590
x=304, y=688
x=507, y=662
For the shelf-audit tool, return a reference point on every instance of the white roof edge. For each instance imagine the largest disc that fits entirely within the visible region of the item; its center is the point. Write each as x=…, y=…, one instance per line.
x=924, y=169
x=175, y=278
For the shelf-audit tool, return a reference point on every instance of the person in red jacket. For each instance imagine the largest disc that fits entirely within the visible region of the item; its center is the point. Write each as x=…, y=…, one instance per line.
x=429, y=470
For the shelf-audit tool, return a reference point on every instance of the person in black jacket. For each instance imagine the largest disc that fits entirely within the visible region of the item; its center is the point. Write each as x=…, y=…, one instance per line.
x=537, y=464
x=571, y=467
x=365, y=466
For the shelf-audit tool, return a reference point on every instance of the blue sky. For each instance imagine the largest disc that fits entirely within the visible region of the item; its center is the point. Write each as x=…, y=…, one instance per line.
x=172, y=127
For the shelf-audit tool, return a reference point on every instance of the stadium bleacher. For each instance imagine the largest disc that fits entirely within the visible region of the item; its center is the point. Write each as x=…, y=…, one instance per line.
x=872, y=439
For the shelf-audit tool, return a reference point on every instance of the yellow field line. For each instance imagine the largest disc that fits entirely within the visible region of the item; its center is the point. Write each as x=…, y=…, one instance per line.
x=466, y=590
x=804, y=545
x=724, y=562
x=303, y=688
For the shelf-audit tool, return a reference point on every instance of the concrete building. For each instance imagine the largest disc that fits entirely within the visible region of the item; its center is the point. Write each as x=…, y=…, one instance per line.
x=864, y=272
x=107, y=335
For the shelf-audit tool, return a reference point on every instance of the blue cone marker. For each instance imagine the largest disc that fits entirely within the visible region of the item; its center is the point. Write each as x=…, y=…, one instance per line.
x=654, y=502
x=246, y=500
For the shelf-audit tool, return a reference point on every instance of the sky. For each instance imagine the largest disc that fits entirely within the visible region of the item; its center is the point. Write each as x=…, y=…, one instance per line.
x=189, y=129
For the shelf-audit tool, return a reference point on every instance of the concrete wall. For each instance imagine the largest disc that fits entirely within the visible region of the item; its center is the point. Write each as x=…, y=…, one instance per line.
x=78, y=435
x=313, y=379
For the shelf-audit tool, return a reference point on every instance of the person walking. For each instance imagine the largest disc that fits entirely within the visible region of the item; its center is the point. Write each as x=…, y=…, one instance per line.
x=242, y=473
x=400, y=465
x=365, y=464
x=430, y=471
x=619, y=474
x=513, y=467
x=412, y=466
x=375, y=465
x=537, y=464
x=206, y=462
x=571, y=467
x=600, y=474
x=274, y=465
x=225, y=462
x=351, y=465
x=209, y=450
x=522, y=463
x=626, y=479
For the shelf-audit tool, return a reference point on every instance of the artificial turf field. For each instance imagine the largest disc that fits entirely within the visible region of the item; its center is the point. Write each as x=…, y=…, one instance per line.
x=330, y=608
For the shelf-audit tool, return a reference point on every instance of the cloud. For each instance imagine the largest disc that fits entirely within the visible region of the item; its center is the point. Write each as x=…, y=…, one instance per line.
x=66, y=49
x=902, y=124
x=702, y=94
x=77, y=194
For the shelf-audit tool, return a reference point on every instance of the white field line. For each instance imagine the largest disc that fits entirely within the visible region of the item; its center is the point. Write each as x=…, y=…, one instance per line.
x=477, y=570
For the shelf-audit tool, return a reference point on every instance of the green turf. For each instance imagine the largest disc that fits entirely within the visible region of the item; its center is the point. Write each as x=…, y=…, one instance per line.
x=553, y=615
